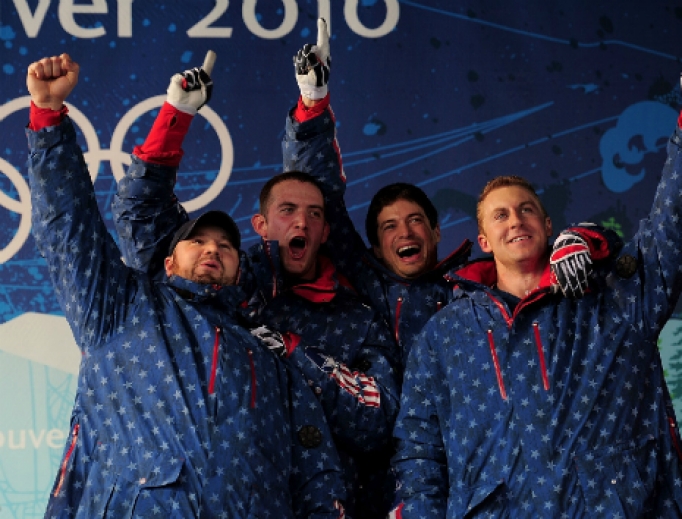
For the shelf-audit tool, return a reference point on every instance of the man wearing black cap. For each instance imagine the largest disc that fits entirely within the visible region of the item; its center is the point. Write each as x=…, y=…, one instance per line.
x=180, y=411
x=341, y=347
x=206, y=250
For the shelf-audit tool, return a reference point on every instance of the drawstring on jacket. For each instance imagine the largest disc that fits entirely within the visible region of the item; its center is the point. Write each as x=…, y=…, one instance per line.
x=541, y=355
x=65, y=462
x=498, y=368
x=496, y=362
x=214, y=362
x=214, y=369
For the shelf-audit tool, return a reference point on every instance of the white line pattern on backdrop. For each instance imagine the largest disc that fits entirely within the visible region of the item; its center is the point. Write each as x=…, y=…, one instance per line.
x=114, y=155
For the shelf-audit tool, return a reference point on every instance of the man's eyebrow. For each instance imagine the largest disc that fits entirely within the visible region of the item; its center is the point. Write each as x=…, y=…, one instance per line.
x=522, y=204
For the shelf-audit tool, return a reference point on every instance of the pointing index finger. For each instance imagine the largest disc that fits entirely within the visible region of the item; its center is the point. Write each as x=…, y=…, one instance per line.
x=322, y=38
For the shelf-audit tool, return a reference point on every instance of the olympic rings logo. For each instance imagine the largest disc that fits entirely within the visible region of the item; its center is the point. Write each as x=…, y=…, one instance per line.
x=114, y=155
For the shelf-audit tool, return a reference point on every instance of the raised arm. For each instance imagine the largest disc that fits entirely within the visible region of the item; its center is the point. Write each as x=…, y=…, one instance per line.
x=146, y=210
x=310, y=145
x=647, y=278
x=84, y=263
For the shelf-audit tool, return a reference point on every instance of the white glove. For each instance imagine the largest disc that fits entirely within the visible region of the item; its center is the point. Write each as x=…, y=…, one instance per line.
x=571, y=265
x=272, y=339
x=312, y=65
x=189, y=91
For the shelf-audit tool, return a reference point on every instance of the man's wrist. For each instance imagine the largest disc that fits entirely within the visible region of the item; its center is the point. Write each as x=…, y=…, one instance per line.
x=48, y=105
x=41, y=116
x=304, y=112
x=309, y=103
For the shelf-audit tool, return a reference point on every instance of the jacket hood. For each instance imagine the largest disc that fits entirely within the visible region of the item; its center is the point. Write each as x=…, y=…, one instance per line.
x=231, y=297
x=483, y=272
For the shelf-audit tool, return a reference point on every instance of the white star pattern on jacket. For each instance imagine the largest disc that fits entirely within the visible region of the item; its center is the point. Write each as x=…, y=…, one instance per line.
x=179, y=410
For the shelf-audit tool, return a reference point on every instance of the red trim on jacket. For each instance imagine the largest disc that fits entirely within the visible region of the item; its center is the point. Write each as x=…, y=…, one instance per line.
x=482, y=271
x=323, y=288
x=599, y=247
x=485, y=272
x=302, y=113
x=463, y=248
x=164, y=143
x=214, y=361
x=291, y=340
x=40, y=118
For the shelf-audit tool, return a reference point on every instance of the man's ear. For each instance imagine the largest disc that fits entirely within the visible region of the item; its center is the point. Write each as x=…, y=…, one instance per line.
x=436, y=231
x=260, y=225
x=377, y=251
x=325, y=232
x=168, y=264
x=483, y=243
x=548, y=226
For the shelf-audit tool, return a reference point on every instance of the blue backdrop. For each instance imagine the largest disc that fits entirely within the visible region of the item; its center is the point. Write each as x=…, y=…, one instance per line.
x=579, y=96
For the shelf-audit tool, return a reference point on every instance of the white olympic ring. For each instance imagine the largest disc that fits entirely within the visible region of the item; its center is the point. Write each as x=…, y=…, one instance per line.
x=95, y=155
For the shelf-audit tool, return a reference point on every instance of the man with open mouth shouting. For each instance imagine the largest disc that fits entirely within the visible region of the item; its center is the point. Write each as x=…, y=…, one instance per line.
x=400, y=274
x=298, y=304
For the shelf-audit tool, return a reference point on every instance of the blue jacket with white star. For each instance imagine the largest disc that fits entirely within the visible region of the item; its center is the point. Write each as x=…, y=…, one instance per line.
x=348, y=358
x=557, y=408
x=406, y=304
x=179, y=411
x=345, y=353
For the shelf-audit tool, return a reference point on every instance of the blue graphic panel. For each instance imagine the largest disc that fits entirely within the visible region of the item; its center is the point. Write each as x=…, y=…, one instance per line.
x=577, y=96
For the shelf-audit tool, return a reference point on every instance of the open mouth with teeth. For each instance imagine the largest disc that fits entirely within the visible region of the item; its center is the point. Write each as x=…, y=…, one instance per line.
x=297, y=247
x=519, y=238
x=408, y=251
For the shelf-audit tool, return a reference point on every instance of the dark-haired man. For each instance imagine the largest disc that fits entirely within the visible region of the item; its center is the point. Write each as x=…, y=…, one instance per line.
x=399, y=274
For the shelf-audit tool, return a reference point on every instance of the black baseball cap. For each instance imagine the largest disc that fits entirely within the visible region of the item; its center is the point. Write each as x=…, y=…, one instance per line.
x=209, y=218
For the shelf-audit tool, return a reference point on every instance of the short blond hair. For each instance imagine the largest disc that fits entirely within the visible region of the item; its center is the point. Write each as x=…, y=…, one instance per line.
x=505, y=181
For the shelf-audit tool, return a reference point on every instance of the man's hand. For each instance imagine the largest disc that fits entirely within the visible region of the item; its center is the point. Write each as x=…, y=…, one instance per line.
x=192, y=89
x=51, y=80
x=571, y=265
x=312, y=65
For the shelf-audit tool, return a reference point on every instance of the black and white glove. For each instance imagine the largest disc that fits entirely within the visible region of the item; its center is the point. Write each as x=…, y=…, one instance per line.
x=312, y=65
x=191, y=90
x=272, y=339
x=571, y=265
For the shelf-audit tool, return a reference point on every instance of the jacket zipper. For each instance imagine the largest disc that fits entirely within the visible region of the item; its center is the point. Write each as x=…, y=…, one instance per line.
x=214, y=362
x=67, y=457
x=254, y=384
x=496, y=362
x=398, y=307
x=541, y=355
